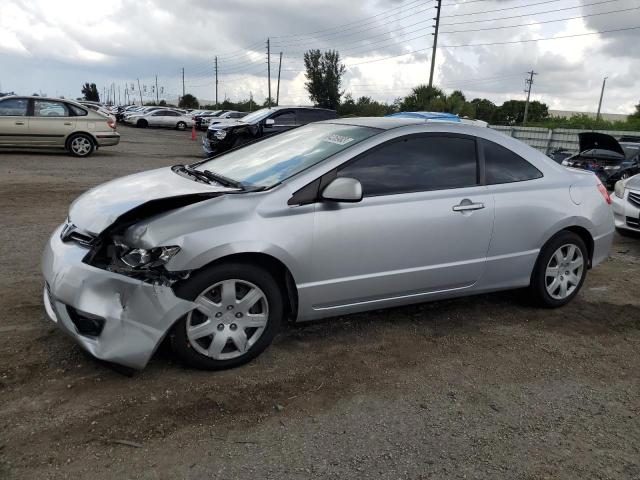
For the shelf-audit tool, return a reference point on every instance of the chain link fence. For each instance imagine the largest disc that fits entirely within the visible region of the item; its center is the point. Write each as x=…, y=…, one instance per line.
x=548, y=140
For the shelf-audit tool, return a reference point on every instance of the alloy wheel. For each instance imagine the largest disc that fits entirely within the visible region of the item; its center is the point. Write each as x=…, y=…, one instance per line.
x=564, y=271
x=81, y=146
x=229, y=318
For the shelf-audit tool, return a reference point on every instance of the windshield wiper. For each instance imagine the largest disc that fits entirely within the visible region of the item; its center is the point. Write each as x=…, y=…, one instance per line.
x=209, y=176
x=227, y=182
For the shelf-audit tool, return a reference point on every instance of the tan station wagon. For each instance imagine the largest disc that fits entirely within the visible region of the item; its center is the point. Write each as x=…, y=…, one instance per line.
x=40, y=122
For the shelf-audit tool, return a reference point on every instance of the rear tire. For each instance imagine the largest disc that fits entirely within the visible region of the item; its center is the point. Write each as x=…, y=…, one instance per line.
x=240, y=311
x=181, y=126
x=560, y=270
x=81, y=145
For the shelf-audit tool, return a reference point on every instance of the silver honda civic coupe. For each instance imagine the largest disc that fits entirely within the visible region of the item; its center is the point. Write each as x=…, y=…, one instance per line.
x=332, y=218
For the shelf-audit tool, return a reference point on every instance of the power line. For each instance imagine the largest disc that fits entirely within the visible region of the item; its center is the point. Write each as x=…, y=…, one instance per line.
x=497, y=43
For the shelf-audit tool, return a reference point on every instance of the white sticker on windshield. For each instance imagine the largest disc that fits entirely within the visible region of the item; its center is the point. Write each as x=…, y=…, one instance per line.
x=338, y=139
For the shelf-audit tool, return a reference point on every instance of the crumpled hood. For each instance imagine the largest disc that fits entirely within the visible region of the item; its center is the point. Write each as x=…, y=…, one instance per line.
x=98, y=208
x=591, y=140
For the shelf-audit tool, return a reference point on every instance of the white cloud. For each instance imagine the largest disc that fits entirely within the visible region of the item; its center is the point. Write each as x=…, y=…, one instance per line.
x=56, y=46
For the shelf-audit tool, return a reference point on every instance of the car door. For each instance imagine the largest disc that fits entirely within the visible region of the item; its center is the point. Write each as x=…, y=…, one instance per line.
x=14, y=122
x=423, y=226
x=50, y=124
x=158, y=118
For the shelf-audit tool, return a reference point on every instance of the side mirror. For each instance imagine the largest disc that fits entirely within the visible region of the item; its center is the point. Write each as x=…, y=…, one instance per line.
x=343, y=189
x=269, y=122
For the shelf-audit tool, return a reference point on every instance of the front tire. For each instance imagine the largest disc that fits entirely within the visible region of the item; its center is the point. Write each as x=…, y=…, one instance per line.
x=239, y=312
x=560, y=270
x=142, y=124
x=81, y=145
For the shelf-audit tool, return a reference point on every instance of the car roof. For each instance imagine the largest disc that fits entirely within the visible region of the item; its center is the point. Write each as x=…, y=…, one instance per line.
x=299, y=107
x=382, y=123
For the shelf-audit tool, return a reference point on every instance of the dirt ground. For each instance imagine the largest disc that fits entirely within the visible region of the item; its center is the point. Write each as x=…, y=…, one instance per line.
x=485, y=387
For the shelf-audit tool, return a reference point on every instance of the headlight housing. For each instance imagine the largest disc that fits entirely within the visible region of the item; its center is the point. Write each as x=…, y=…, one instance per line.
x=143, y=259
x=220, y=134
x=612, y=167
x=618, y=190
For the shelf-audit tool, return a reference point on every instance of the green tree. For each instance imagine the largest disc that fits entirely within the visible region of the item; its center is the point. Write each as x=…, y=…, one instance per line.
x=269, y=101
x=188, y=101
x=324, y=77
x=483, y=109
x=423, y=99
x=635, y=115
x=511, y=112
x=90, y=92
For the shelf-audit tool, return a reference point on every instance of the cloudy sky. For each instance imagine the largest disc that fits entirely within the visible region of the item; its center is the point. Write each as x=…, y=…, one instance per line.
x=485, y=47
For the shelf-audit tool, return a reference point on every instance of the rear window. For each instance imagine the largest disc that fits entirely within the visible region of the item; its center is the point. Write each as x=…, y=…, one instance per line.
x=504, y=166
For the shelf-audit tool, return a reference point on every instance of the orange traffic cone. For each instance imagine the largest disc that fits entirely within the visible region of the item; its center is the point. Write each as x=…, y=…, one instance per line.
x=193, y=132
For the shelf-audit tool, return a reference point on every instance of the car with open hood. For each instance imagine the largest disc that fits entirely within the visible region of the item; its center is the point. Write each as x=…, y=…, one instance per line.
x=603, y=155
x=225, y=135
x=324, y=220
x=41, y=122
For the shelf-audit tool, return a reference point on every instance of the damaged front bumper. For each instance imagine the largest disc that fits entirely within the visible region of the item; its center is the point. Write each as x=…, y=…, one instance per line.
x=131, y=317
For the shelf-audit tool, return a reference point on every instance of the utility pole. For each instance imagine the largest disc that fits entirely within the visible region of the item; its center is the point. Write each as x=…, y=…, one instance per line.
x=216, y=65
x=183, y=81
x=435, y=41
x=529, y=83
x=157, y=92
x=604, y=81
x=278, y=89
x=269, y=72
x=119, y=96
x=140, y=92
x=250, y=100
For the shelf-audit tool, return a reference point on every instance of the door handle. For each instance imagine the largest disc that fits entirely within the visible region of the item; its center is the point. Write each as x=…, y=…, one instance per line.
x=19, y=123
x=467, y=205
x=67, y=123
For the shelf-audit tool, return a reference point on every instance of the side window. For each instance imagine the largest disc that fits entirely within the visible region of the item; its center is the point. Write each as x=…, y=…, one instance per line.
x=504, y=166
x=14, y=107
x=76, y=111
x=45, y=108
x=173, y=114
x=416, y=163
x=286, y=118
x=308, y=116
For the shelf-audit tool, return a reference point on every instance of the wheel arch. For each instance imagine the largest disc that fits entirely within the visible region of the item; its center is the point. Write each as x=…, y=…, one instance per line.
x=584, y=235
x=79, y=132
x=271, y=264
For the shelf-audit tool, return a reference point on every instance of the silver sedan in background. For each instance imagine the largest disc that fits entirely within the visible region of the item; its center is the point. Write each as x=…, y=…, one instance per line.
x=328, y=219
x=162, y=117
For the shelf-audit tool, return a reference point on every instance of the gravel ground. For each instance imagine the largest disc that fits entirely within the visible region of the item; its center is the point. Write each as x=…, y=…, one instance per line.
x=485, y=387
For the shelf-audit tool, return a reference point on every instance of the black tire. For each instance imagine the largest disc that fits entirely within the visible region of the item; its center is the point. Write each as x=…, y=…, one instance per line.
x=181, y=126
x=142, y=124
x=200, y=282
x=81, y=145
x=538, y=286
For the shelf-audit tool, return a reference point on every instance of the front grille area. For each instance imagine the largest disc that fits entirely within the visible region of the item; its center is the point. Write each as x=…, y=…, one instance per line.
x=633, y=222
x=634, y=198
x=86, y=324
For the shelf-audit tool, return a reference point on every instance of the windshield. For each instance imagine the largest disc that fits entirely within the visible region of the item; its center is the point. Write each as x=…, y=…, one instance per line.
x=630, y=149
x=270, y=161
x=257, y=115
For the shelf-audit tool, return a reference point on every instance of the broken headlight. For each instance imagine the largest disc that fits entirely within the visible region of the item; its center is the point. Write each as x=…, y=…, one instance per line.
x=141, y=258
